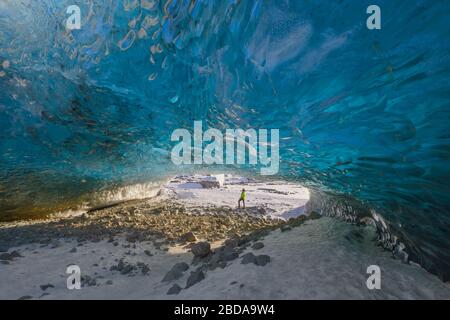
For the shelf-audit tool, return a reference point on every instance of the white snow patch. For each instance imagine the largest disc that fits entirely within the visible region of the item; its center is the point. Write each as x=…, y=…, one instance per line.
x=318, y=260
x=279, y=199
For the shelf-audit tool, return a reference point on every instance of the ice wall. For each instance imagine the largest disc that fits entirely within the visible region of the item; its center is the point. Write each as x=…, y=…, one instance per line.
x=361, y=112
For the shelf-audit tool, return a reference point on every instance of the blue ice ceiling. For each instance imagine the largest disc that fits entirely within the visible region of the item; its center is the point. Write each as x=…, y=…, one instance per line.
x=361, y=112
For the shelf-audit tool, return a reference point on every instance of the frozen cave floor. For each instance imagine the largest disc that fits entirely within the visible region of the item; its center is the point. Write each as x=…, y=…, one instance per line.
x=191, y=242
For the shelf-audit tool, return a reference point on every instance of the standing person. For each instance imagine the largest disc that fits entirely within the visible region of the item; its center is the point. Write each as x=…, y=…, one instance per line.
x=242, y=198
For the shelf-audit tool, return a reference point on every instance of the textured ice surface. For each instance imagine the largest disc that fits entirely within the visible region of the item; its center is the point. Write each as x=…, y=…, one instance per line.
x=362, y=113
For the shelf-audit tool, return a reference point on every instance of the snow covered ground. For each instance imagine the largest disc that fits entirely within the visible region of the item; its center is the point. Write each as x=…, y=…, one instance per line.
x=321, y=259
x=278, y=199
x=315, y=259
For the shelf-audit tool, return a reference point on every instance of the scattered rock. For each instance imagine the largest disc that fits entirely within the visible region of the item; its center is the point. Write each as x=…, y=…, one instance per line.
x=217, y=264
x=133, y=237
x=176, y=272
x=228, y=254
x=109, y=282
x=145, y=269
x=10, y=256
x=147, y=252
x=74, y=249
x=209, y=184
x=232, y=242
x=88, y=281
x=258, y=245
x=195, y=277
x=123, y=267
x=188, y=237
x=248, y=258
x=257, y=235
x=181, y=266
x=15, y=254
x=175, y=289
x=55, y=244
x=25, y=298
x=201, y=249
x=127, y=269
x=220, y=257
x=46, y=286
x=214, y=260
x=285, y=228
x=262, y=260
x=298, y=221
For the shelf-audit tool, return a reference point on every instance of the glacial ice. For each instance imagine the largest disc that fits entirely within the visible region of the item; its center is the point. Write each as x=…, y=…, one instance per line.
x=362, y=113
